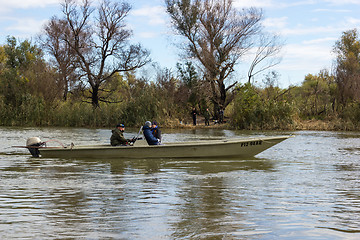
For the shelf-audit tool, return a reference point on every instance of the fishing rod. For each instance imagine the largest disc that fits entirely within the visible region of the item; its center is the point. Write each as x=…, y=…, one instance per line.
x=137, y=137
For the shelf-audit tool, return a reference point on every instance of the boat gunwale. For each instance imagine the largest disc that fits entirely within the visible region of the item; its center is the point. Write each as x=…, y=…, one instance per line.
x=167, y=145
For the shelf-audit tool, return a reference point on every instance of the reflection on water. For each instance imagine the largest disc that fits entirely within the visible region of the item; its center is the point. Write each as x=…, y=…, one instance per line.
x=307, y=187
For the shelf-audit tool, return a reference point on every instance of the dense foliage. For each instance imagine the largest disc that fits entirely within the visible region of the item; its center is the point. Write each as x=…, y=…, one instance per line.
x=30, y=95
x=261, y=108
x=36, y=91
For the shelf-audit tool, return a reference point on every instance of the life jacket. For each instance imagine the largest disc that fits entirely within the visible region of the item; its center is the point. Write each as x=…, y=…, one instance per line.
x=150, y=139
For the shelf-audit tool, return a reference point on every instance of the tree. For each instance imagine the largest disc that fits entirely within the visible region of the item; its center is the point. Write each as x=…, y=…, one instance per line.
x=315, y=94
x=190, y=79
x=100, y=41
x=2, y=58
x=64, y=58
x=166, y=86
x=217, y=36
x=266, y=55
x=315, y=98
x=20, y=59
x=271, y=84
x=347, y=66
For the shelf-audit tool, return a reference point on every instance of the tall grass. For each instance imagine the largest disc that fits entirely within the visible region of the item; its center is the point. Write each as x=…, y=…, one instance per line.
x=35, y=111
x=252, y=111
x=32, y=111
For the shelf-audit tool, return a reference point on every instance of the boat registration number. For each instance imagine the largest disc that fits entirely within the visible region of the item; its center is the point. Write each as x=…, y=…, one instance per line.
x=252, y=143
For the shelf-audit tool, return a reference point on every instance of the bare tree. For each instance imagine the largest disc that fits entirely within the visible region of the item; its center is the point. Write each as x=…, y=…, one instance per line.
x=99, y=38
x=217, y=35
x=266, y=55
x=63, y=56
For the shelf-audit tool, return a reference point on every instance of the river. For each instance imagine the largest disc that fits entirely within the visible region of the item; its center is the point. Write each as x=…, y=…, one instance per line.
x=307, y=187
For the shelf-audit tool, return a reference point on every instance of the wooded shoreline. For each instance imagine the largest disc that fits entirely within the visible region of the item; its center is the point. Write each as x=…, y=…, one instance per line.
x=36, y=92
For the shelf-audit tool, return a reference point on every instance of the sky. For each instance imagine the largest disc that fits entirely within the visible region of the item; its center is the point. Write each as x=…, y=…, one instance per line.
x=308, y=28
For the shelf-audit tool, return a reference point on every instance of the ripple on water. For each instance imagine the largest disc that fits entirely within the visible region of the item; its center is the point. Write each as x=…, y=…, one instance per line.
x=304, y=188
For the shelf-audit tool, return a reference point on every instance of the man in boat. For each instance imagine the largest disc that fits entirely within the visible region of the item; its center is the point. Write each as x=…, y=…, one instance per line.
x=150, y=139
x=117, y=138
x=155, y=129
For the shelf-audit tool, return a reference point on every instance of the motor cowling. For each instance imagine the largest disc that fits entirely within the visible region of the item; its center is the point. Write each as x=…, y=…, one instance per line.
x=33, y=145
x=33, y=140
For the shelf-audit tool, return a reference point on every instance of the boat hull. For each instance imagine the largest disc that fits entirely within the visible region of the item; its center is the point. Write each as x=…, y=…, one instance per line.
x=201, y=149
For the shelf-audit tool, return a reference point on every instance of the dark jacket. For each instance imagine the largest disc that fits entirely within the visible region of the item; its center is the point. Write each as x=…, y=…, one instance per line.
x=207, y=115
x=156, y=132
x=151, y=140
x=117, y=138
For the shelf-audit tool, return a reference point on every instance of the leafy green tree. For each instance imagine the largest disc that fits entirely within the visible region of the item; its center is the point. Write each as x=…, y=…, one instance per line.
x=141, y=102
x=2, y=59
x=317, y=95
x=19, y=61
x=190, y=80
x=347, y=67
x=254, y=108
x=246, y=105
x=27, y=86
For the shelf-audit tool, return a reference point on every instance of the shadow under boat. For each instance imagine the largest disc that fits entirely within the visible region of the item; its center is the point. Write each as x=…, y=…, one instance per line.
x=190, y=165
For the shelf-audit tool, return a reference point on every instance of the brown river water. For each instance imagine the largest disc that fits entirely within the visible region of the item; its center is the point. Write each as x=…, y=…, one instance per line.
x=307, y=187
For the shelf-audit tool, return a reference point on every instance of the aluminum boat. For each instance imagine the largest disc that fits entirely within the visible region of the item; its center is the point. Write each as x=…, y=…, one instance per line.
x=244, y=147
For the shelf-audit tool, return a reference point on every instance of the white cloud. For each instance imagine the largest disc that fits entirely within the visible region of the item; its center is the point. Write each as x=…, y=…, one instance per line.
x=147, y=35
x=271, y=3
x=252, y=3
x=300, y=59
x=353, y=21
x=306, y=57
x=332, y=10
x=21, y=4
x=305, y=30
x=286, y=3
x=343, y=2
x=320, y=40
x=281, y=25
x=278, y=23
x=302, y=30
x=27, y=26
x=155, y=15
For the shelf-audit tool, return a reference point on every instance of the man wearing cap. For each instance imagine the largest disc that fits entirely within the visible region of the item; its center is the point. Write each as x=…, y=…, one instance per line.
x=117, y=138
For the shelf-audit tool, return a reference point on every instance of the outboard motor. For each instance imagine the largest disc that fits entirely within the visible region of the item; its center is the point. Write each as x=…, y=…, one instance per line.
x=34, y=142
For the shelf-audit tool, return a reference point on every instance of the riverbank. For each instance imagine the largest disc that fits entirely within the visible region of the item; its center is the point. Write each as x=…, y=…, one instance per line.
x=326, y=125
x=89, y=121
x=297, y=125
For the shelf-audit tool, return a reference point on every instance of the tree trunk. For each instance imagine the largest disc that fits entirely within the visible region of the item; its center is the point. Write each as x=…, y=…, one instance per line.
x=66, y=88
x=95, y=96
x=222, y=90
